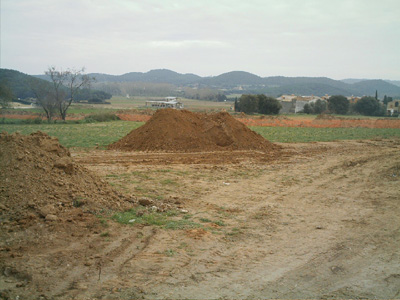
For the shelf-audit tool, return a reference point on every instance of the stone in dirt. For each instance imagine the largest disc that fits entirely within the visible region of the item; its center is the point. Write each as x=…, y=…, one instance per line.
x=185, y=131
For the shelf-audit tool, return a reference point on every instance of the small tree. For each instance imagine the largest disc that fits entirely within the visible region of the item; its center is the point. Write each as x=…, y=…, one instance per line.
x=45, y=96
x=338, y=104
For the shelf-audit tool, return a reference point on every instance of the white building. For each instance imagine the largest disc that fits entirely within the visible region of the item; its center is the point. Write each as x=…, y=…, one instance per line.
x=168, y=102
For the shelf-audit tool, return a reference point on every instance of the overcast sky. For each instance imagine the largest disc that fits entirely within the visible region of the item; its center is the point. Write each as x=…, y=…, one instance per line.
x=333, y=38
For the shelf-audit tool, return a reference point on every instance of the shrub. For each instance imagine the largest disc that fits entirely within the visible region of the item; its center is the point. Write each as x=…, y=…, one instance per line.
x=103, y=117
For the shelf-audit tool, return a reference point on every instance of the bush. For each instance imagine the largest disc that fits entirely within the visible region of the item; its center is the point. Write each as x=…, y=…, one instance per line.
x=103, y=117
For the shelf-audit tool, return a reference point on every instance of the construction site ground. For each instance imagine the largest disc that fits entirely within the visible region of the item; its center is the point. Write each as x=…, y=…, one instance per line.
x=317, y=220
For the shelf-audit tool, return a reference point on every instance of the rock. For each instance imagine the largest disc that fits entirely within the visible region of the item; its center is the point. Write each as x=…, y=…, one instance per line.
x=65, y=163
x=51, y=217
x=145, y=202
x=76, y=285
x=47, y=210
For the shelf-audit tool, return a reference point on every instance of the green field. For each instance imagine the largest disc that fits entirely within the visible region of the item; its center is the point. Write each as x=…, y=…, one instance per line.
x=88, y=135
x=304, y=134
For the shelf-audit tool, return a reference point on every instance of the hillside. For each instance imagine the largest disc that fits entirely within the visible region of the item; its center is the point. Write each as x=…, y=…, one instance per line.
x=233, y=79
x=19, y=83
x=245, y=82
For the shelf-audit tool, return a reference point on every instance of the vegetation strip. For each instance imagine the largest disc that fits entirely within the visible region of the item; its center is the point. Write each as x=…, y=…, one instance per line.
x=102, y=134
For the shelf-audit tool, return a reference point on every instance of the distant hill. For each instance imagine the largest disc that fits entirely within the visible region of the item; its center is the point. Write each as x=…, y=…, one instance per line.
x=245, y=82
x=368, y=87
x=232, y=79
x=19, y=83
x=353, y=80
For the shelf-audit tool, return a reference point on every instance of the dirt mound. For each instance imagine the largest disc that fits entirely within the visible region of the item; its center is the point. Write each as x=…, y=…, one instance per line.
x=185, y=131
x=39, y=179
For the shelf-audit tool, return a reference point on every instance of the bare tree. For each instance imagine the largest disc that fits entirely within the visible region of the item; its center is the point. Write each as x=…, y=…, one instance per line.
x=65, y=86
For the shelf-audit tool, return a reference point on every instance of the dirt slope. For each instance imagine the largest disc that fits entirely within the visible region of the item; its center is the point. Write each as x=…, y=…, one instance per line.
x=185, y=131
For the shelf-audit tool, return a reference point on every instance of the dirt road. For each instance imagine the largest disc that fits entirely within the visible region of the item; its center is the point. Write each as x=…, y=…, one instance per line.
x=321, y=220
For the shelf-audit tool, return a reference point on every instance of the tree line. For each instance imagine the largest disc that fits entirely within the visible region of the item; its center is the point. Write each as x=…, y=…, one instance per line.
x=338, y=104
x=260, y=104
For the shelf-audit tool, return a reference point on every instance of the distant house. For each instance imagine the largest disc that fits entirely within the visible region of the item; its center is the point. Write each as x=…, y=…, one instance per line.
x=393, y=107
x=168, y=102
x=353, y=99
x=295, y=104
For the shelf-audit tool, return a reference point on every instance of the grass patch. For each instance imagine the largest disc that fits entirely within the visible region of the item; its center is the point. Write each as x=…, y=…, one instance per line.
x=167, y=220
x=168, y=182
x=169, y=252
x=205, y=220
x=219, y=223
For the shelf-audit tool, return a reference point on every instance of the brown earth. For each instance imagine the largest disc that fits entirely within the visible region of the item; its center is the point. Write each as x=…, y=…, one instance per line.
x=320, y=220
x=186, y=131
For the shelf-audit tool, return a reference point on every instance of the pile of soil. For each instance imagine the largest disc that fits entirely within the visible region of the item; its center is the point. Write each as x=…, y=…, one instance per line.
x=39, y=180
x=185, y=131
